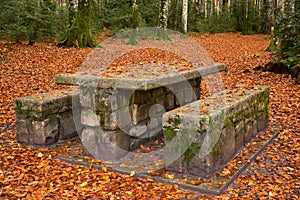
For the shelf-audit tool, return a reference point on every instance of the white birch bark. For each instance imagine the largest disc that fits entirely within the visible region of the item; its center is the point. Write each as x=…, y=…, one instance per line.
x=185, y=15
x=205, y=9
x=163, y=15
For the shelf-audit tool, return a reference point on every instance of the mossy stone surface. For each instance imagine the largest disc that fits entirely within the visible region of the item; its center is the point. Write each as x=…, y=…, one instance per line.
x=225, y=130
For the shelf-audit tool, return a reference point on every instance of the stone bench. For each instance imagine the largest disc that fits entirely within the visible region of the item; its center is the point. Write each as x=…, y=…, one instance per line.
x=203, y=136
x=43, y=119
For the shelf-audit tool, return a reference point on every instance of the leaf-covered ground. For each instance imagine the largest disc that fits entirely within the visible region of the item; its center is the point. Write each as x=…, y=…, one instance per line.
x=28, y=173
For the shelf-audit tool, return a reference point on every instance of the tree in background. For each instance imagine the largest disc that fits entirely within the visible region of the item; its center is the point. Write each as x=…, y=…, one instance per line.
x=36, y=20
x=174, y=14
x=287, y=30
x=135, y=21
x=79, y=34
x=185, y=16
x=41, y=26
x=163, y=20
x=32, y=20
x=163, y=14
x=116, y=14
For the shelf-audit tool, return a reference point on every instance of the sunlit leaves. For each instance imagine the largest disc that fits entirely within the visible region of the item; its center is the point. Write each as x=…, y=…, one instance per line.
x=28, y=173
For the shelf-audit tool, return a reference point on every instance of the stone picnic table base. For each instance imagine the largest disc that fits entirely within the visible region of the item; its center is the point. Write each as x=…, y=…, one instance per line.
x=152, y=165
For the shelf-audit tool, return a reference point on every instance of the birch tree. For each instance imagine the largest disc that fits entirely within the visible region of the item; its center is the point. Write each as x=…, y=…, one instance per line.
x=163, y=15
x=163, y=20
x=185, y=15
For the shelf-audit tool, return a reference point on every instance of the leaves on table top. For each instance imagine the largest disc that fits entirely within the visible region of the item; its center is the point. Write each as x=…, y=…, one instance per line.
x=146, y=63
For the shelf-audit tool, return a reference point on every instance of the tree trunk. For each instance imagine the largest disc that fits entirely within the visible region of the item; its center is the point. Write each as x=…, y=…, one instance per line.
x=163, y=15
x=72, y=11
x=185, y=15
x=205, y=9
x=79, y=33
x=163, y=20
x=176, y=14
x=198, y=5
x=135, y=21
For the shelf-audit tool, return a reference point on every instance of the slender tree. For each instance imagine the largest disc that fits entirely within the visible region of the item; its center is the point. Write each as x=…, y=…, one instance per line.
x=135, y=21
x=79, y=34
x=176, y=14
x=163, y=15
x=185, y=15
x=163, y=20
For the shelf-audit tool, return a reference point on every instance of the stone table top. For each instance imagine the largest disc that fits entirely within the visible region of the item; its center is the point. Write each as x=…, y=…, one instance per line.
x=142, y=77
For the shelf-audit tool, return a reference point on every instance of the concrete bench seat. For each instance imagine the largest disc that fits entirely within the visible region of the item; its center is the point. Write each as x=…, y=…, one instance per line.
x=203, y=136
x=43, y=119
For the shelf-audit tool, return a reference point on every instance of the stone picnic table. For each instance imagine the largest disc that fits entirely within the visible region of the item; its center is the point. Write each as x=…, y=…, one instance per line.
x=121, y=111
x=115, y=110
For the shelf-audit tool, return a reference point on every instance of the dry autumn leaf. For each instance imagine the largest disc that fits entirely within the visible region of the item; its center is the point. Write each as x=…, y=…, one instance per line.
x=132, y=173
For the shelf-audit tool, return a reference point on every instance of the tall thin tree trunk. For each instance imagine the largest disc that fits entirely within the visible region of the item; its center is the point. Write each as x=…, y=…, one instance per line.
x=205, y=9
x=185, y=15
x=217, y=6
x=198, y=10
x=163, y=20
x=176, y=14
x=163, y=15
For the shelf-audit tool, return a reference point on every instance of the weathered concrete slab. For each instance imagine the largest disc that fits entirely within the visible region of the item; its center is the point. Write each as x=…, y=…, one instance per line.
x=148, y=82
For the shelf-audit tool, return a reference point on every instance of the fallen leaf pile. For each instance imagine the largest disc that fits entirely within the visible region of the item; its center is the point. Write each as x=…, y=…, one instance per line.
x=28, y=173
x=275, y=174
x=147, y=62
x=147, y=56
x=28, y=70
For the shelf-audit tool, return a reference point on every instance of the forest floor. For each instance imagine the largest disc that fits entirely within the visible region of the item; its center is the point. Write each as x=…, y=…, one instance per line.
x=29, y=173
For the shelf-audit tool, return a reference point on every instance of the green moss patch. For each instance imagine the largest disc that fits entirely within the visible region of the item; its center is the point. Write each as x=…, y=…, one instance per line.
x=190, y=153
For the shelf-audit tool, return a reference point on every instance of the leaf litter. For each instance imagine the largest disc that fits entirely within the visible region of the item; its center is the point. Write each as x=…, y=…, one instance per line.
x=30, y=173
